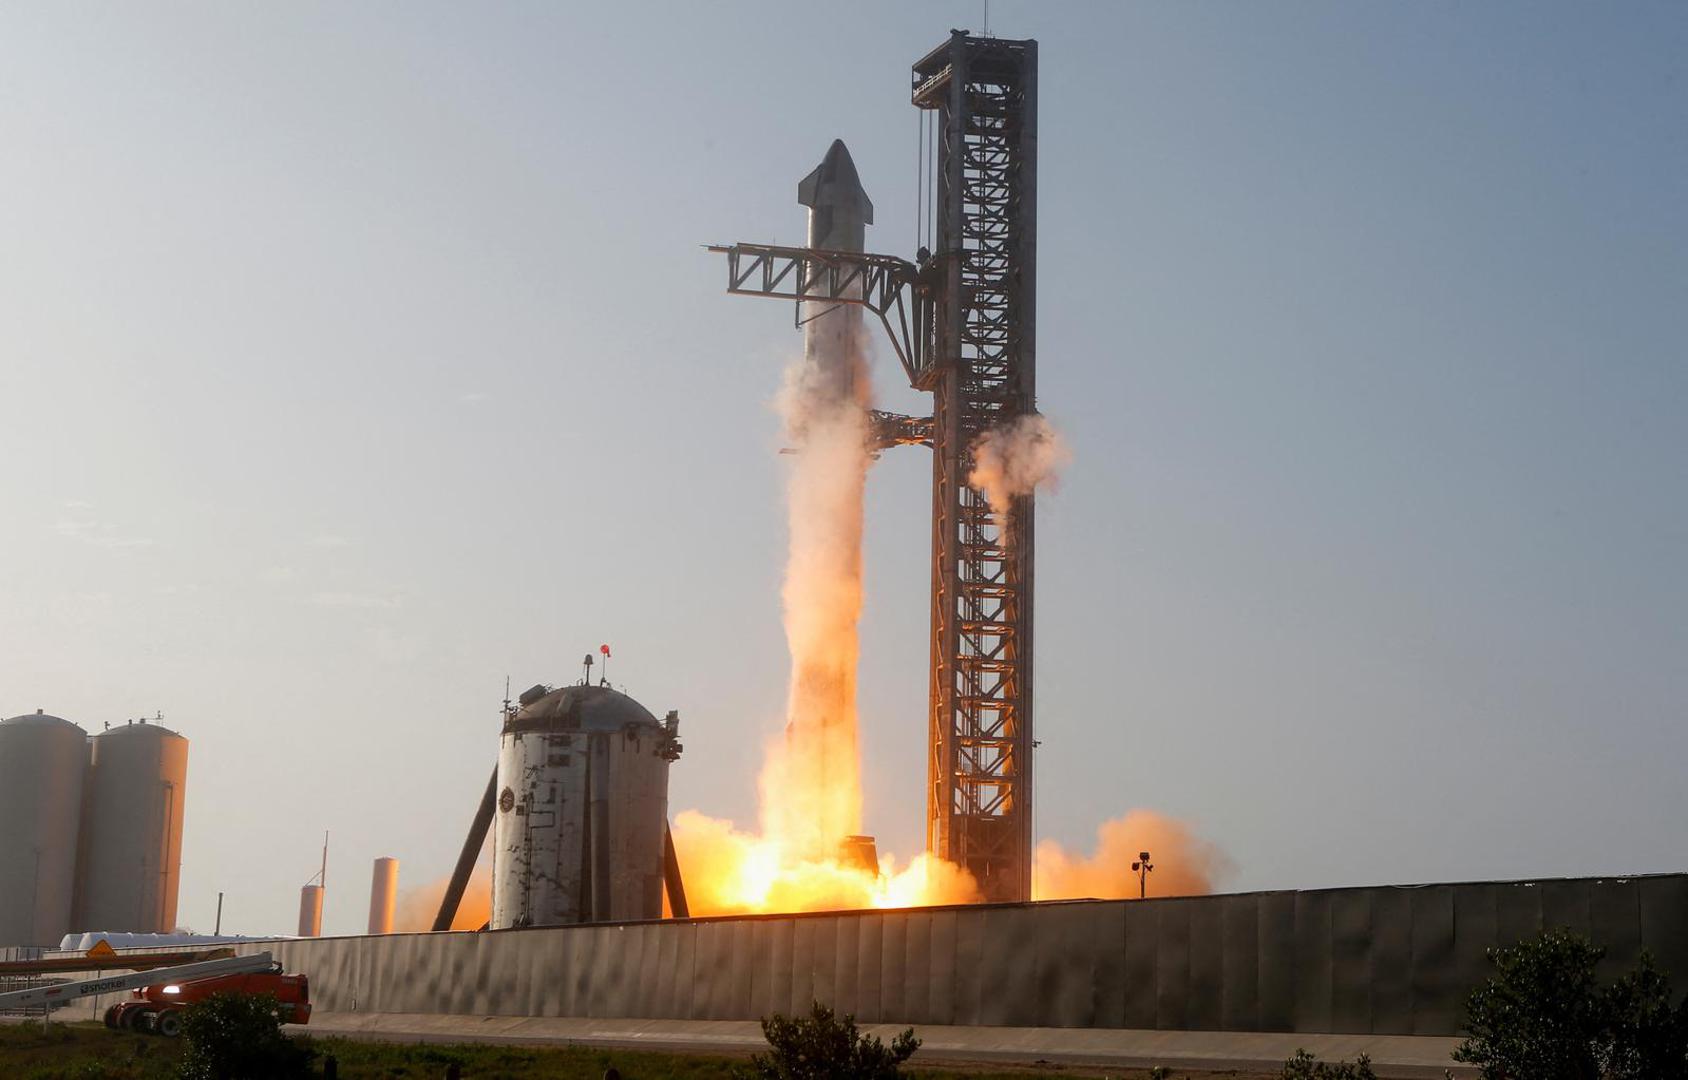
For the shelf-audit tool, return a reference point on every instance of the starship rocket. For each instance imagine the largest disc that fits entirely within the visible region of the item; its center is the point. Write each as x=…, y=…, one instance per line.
x=839, y=214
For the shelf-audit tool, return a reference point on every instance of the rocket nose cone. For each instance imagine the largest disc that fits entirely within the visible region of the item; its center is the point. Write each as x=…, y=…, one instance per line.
x=838, y=159
x=834, y=182
x=839, y=168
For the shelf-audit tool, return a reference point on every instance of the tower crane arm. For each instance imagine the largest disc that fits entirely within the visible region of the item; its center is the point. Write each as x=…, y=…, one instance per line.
x=893, y=289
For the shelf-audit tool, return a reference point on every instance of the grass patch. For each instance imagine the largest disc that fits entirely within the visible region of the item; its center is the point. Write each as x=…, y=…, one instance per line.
x=30, y=1051
x=409, y=1061
x=93, y=1052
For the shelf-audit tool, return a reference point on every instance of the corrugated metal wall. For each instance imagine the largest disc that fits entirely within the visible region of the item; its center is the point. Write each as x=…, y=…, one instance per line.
x=1375, y=960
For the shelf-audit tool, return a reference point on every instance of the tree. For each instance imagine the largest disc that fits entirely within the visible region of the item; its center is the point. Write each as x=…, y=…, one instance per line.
x=1540, y=1016
x=1544, y=1016
x=1649, y=1035
x=234, y=1036
x=823, y=1047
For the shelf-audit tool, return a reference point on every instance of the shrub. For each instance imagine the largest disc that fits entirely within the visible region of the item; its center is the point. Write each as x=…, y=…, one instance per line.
x=1304, y=1066
x=238, y=1037
x=823, y=1047
x=1649, y=1035
x=1543, y=1016
x=1540, y=1016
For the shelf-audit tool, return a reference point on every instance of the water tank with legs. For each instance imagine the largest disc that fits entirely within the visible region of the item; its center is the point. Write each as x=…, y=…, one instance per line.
x=582, y=809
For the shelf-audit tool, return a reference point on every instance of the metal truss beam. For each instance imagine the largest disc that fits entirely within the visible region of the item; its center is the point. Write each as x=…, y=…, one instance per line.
x=893, y=289
x=894, y=429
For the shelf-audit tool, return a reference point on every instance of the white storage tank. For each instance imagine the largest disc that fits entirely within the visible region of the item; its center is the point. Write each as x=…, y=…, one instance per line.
x=582, y=809
x=42, y=762
x=131, y=852
x=383, y=895
x=310, y=911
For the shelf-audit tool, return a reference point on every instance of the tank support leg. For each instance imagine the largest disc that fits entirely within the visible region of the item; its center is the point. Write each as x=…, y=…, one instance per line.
x=671, y=876
x=467, y=857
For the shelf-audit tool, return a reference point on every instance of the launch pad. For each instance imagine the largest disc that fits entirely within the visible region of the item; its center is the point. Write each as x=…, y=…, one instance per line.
x=962, y=322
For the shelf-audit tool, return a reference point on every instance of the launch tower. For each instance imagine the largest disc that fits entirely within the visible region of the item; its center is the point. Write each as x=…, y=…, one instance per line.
x=962, y=321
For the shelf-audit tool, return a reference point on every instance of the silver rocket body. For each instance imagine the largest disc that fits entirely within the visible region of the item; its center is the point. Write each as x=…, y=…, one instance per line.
x=826, y=411
x=839, y=214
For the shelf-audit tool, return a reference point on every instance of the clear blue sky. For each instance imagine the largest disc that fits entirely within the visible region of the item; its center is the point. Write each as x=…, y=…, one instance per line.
x=352, y=357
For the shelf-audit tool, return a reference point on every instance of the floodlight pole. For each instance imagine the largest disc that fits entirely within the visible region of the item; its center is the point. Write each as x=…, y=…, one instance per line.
x=1142, y=866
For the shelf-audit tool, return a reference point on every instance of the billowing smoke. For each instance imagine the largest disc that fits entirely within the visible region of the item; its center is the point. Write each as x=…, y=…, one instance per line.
x=810, y=786
x=731, y=872
x=1017, y=458
x=416, y=908
x=1184, y=864
x=811, y=783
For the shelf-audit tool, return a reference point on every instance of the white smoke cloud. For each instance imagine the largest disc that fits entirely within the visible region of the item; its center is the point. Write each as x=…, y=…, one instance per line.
x=811, y=791
x=1016, y=459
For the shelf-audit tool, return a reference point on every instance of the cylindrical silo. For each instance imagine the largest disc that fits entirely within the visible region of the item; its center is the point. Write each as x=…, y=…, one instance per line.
x=383, y=894
x=582, y=809
x=131, y=851
x=42, y=763
x=310, y=911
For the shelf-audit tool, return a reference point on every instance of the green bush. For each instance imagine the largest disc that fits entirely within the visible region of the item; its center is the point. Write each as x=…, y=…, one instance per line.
x=1304, y=1066
x=823, y=1047
x=1649, y=1035
x=238, y=1037
x=1544, y=1016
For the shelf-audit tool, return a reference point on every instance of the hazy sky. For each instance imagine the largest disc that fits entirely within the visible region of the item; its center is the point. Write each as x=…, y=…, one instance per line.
x=355, y=356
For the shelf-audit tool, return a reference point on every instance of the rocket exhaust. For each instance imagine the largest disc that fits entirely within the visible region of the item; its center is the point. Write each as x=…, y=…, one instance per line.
x=809, y=854
x=812, y=789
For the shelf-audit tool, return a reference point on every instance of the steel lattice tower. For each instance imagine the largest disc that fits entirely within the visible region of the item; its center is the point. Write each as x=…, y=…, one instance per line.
x=962, y=323
x=979, y=798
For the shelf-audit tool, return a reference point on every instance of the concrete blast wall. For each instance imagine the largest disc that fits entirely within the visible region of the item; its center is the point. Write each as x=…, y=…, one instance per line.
x=1366, y=961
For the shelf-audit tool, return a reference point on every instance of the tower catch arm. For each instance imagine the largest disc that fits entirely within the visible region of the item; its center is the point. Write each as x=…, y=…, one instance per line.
x=892, y=288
